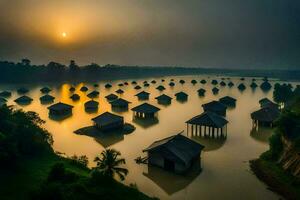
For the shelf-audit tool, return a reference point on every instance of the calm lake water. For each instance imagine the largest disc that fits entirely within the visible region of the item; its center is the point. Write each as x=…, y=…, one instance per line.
x=225, y=173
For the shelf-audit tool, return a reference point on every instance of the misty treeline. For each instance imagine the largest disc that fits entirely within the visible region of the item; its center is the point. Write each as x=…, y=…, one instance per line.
x=25, y=71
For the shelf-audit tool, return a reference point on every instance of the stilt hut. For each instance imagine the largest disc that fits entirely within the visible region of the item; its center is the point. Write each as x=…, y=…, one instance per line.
x=84, y=89
x=153, y=81
x=146, y=84
x=47, y=98
x=45, y=90
x=145, y=111
x=160, y=88
x=120, y=84
x=181, y=96
x=228, y=101
x=172, y=84
x=264, y=116
x=201, y=92
x=137, y=87
x=72, y=89
x=24, y=100
x=230, y=84
x=91, y=105
x=182, y=82
x=203, y=81
x=222, y=83
x=215, y=90
x=265, y=86
x=107, y=85
x=176, y=153
x=163, y=99
x=75, y=97
x=22, y=90
x=60, y=109
x=208, y=124
x=119, y=91
x=215, y=107
x=265, y=102
x=126, y=83
x=194, y=82
x=5, y=94
x=214, y=82
x=241, y=87
x=253, y=85
x=143, y=95
x=108, y=122
x=111, y=97
x=133, y=82
x=93, y=94
x=120, y=103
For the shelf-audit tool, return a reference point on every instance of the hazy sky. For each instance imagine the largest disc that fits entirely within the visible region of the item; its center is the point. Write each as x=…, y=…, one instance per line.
x=204, y=33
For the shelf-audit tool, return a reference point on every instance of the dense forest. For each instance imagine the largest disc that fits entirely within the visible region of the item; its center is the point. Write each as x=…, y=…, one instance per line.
x=25, y=71
x=279, y=167
x=30, y=169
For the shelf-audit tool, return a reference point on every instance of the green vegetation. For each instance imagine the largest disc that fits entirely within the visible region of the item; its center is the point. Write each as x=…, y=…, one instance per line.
x=268, y=167
x=31, y=170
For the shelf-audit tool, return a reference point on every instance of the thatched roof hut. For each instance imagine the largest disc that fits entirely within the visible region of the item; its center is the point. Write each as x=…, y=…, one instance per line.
x=137, y=87
x=265, y=116
x=265, y=102
x=143, y=95
x=45, y=90
x=120, y=84
x=84, y=89
x=145, y=110
x=182, y=81
x=214, y=82
x=241, y=87
x=93, y=94
x=47, y=98
x=146, y=84
x=215, y=90
x=108, y=121
x=111, y=97
x=5, y=94
x=172, y=84
x=160, y=88
x=222, y=83
x=126, y=83
x=201, y=92
x=228, y=101
x=23, y=100
x=153, y=81
x=208, y=119
x=265, y=86
x=91, y=105
x=107, y=85
x=215, y=107
x=230, y=84
x=203, y=81
x=181, y=96
x=163, y=99
x=253, y=85
x=176, y=153
x=72, y=89
x=119, y=91
x=60, y=109
x=22, y=90
x=133, y=82
x=75, y=97
x=120, y=103
x=193, y=81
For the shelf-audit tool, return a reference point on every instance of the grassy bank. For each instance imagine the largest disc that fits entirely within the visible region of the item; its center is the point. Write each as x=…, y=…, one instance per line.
x=276, y=178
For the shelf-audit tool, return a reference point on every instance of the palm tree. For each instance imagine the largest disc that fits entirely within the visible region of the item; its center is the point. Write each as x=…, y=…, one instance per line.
x=108, y=163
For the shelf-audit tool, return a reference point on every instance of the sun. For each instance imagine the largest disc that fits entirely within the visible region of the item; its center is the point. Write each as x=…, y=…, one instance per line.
x=64, y=34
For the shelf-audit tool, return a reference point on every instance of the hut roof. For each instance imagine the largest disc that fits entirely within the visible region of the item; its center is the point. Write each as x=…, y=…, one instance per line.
x=47, y=97
x=93, y=94
x=171, y=84
x=120, y=102
x=265, y=114
x=146, y=84
x=84, y=89
x=153, y=81
x=163, y=97
x=193, y=81
x=91, y=104
x=230, y=84
x=182, y=147
x=120, y=84
x=45, y=90
x=137, y=87
x=119, y=91
x=23, y=99
x=60, y=106
x=182, y=81
x=214, y=106
x=146, y=108
x=241, y=86
x=215, y=90
x=253, y=85
x=265, y=85
x=201, y=90
x=142, y=94
x=265, y=102
x=161, y=88
x=227, y=99
x=107, y=85
x=134, y=82
x=75, y=97
x=107, y=118
x=22, y=90
x=5, y=94
x=72, y=89
x=181, y=94
x=214, y=82
x=208, y=119
x=203, y=81
x=111, y=96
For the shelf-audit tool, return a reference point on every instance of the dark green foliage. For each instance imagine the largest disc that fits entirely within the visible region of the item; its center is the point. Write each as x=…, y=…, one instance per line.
x=282, y=93
x=276, y=146
x=80, y=161
x=289, y=124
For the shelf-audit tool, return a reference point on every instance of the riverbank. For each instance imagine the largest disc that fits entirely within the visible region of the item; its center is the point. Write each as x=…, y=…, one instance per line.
x=276, y=178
